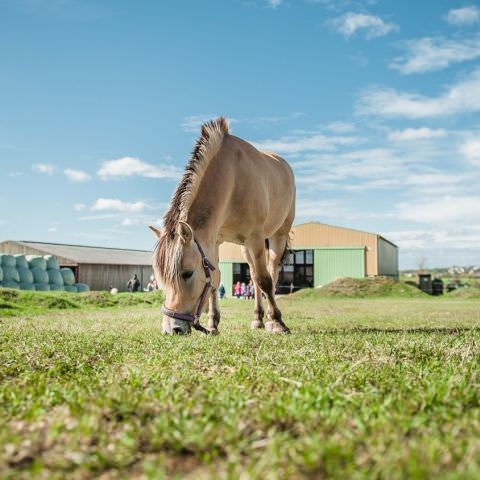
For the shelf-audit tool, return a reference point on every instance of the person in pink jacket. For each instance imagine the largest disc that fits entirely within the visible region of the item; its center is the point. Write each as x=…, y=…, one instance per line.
x=238, y=289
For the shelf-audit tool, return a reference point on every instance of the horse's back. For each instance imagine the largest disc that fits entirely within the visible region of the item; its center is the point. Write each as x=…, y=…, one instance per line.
x=264, y=185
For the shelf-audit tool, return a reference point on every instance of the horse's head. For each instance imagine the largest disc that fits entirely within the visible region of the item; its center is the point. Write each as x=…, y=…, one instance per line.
x=179, y=266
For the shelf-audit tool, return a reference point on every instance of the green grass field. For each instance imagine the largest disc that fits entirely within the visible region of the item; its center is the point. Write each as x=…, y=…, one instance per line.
x=362, y=388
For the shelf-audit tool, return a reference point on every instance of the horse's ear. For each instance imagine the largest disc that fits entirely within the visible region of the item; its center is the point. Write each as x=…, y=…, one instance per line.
x=155, y=231
x=185, y=231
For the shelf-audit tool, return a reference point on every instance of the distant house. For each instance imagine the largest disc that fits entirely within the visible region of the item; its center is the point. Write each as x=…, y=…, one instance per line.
x=98, y=267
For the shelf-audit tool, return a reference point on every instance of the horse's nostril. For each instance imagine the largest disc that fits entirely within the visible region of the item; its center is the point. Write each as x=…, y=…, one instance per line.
x=177, y=330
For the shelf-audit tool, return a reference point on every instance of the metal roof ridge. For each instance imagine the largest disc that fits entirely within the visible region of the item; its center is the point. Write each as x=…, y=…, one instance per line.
x=79, y=246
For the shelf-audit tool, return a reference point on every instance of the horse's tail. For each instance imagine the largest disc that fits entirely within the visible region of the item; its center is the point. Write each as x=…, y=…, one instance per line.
x=287, y=250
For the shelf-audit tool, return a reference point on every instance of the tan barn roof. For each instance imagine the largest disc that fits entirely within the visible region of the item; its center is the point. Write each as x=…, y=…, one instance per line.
x=80, y=254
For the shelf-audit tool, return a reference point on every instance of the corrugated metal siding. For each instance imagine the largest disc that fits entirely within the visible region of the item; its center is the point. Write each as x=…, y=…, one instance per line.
x=100, y=277
x=226, y=276
x=333, y=263
x=387, y=258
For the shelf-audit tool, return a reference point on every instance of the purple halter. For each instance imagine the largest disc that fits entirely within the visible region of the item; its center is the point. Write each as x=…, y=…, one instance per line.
x=194, y=319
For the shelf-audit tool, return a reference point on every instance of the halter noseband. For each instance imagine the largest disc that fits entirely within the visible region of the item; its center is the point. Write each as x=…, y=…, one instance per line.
x=194, y=319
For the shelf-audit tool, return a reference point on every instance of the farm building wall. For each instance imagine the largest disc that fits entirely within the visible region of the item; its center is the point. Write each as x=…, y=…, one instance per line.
x=319, y=235
x=338, y=262
x=101, y=276
x=387, y=258
x=226, y=276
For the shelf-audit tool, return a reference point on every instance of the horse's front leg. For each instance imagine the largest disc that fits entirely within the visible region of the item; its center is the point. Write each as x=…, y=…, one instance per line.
x=213, y=313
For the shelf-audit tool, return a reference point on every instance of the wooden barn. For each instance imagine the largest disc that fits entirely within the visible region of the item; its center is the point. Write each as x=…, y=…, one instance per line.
x=320, y=254
x=98, y=267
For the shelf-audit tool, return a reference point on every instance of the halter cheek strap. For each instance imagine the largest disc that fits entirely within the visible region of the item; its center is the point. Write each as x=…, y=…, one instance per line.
x=194, y=319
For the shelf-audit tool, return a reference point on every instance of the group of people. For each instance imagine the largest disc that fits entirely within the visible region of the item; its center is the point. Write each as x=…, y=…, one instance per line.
x=244, y=290
x=133, y=285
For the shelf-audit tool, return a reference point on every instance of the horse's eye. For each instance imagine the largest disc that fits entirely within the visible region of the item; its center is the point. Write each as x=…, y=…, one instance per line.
x=186, y=275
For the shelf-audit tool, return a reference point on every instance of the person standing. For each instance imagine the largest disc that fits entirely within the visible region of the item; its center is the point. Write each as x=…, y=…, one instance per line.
x=238, y=289
x=133, y=284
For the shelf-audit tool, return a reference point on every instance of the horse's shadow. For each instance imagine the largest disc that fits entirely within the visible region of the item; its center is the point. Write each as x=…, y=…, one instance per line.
x=403, y=331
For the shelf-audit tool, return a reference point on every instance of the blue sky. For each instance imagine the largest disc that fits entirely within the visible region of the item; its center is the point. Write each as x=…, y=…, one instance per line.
x=374, y=103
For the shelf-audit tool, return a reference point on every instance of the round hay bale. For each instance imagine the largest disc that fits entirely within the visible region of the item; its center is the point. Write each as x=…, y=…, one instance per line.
x=10, y=284
x=10, y=274
x=20, y=261
x=25, y=275
x=36, y=261
x=1, y=274
x=68, y=276
x=56, y=288
x=82, y=287
x=54, y=276
x=42, y=287
x=52, y=262
x=27, y=286
x=39, y=275
x=70, y=288
x=8, y=260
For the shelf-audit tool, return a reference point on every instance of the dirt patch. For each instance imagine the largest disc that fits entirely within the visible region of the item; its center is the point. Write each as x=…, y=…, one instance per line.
x=8, y=294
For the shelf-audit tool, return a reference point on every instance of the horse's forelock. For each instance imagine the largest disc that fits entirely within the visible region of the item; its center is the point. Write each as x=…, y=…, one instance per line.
x=168, y=258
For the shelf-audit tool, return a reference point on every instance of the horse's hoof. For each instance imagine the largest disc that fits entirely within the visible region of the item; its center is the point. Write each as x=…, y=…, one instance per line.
x=277, y=327
x=257, y=324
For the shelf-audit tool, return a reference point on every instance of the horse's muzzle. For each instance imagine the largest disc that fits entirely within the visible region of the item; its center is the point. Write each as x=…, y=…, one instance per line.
x=173, y=326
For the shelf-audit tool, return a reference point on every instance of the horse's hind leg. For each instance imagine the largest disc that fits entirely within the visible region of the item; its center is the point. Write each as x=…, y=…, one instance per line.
x=258, y=310
x=276, y=251
x=265, y=281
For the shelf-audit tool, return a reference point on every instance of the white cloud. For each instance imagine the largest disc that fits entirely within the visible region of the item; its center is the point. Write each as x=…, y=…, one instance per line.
x=130, y=166
x=52, y=229
x=435, y=239
x=45, y=168
x=373, y=26
x=471, y=150
x=339, y=127
x=193, y=123
x=464, y=96
x=410, y=134
x=78, y=207
x=307, y=208
x=105, y=216
x=463, y=16
x=304, y=142
x=441, y=210
x=274, y=3
x=118, y=205
x=15, y=174
x=128, y=222
x=76, y=175
x=428, y=54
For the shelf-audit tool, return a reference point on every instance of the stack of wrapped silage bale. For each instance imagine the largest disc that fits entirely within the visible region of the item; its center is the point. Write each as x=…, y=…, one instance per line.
x=34, y=272
x=10, y=278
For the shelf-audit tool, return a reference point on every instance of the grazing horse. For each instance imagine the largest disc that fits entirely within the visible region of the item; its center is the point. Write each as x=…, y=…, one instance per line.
x=230, y=191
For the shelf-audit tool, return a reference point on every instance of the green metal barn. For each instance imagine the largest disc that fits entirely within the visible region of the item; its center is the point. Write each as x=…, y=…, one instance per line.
x=320, y=254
